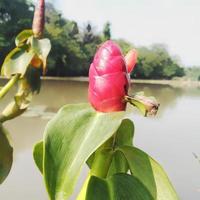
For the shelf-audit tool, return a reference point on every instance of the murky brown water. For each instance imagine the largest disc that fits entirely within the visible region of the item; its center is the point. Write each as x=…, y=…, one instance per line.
x=170, y=138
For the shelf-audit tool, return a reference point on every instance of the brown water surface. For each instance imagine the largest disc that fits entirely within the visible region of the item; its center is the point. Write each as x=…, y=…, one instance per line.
x=171, y=137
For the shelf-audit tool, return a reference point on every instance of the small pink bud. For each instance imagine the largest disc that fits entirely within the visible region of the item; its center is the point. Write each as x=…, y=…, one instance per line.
x=39, y=18
x=131, y=60
x=108, y=79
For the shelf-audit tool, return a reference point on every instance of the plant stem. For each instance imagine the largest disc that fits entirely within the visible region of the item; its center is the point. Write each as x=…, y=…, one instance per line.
x=11, y=111
x=9, y=85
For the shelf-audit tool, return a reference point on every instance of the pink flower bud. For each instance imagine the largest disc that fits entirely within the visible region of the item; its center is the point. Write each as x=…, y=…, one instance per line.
x=108, y=79
x=39, y=18
x=131, y=59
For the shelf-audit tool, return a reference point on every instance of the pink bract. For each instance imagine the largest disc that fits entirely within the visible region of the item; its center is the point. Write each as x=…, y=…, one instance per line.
x=108, y=79
x=131, y=59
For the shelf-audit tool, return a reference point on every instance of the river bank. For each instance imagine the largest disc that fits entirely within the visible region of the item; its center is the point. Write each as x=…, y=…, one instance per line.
x=173, y=83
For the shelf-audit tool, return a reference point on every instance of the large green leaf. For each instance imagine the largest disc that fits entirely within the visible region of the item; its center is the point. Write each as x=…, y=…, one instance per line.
x=22, y=37
x=70, y=138
x=150, y=173
x=17, y=62
x=117, y=187
x=38, y=153
x=6, y=154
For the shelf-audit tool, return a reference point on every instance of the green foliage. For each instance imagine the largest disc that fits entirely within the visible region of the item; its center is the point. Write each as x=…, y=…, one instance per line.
x=106, y=32
x=124, y=136
x=17, y=61
x=124, y=45
x=141, y=165
x=193, y=73
x=76, y=133
x=156, y=63
x=149, y=172
x=38, y=152
x=118, y=186
x=22, y=37
x=73, y=47
x=6, y=154
x=14, y=17
x=70, y=138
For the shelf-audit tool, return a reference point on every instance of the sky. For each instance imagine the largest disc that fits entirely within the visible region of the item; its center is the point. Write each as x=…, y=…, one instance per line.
x=175, y=23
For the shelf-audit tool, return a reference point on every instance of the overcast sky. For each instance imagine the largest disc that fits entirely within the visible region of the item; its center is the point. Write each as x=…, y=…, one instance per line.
x=143, y=22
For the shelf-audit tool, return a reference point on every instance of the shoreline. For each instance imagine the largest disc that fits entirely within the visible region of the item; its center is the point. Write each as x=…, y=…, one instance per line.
x=173, y=83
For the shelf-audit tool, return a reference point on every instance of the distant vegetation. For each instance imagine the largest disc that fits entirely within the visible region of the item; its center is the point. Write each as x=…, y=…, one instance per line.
x=193, y=73
x=73, y=47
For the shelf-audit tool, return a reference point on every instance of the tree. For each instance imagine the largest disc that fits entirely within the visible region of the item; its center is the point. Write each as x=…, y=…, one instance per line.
x=156, y=63
x=106, y=32
x=14, y=17
x=73, y=47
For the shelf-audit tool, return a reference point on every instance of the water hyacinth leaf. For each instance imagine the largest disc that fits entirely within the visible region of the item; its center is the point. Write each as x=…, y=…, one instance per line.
x=6, y=154
x=23, y=37
x=17, y=62
x=119, y=186
x=42, y=48
x=70, y=138
x=150, y=173
x=38, y=151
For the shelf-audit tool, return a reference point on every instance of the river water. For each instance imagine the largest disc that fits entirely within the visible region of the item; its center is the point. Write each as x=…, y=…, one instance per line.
x=171, y=137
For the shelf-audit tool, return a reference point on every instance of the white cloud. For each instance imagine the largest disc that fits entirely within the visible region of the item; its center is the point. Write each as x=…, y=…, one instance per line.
x=143, y=22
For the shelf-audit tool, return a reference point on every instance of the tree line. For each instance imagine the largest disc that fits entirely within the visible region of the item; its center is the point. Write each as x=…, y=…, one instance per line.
x=73, y=47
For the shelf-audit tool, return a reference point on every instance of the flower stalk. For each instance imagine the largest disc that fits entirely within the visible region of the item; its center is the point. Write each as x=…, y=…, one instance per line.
x=9, y=85
x=39, y=19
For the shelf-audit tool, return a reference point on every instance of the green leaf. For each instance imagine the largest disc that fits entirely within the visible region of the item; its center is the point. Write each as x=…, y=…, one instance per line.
x=124, y=136
x=125, y=133
x=17, y=62
x=6, y=154
x=70, y=138
x=119, y=186
x=150, y=173
x=42, y=48
x=118, y=164
x=22, y=37
x=38, y=152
